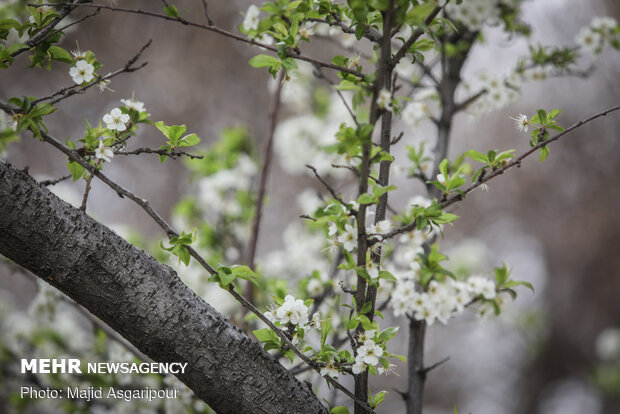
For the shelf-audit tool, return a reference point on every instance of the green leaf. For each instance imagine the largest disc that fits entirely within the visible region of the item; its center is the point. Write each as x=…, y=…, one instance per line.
x=266, y=335
x=172, y=11
x=339, y=410
x=188, y=141
x=353, y=324
x=75, y=169
x=366, y=308
x=476, y=156
x=365, y=199
x=501, y=275
x=60, y=54
x=388, y=334
x=445, y=218
x=384, y=274
x=543, y=153
x=261, y=61
x=513, y=283
x=418, y=14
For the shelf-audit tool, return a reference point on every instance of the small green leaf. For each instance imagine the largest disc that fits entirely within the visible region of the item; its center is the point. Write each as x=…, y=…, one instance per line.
x=261, y=61
x=60, y=54
x=75, y=169
x=172, y=11
x=476, y=156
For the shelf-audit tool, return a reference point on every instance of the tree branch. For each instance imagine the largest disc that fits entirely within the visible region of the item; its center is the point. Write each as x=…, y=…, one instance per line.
x=515, y=162
x=218, y=30
x=143, y=300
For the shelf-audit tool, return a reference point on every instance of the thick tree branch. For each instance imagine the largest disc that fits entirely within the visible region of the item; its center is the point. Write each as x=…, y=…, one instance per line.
x=143, y=300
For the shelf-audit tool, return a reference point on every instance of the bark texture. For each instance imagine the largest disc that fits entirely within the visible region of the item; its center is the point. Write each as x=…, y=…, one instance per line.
x=143, y=300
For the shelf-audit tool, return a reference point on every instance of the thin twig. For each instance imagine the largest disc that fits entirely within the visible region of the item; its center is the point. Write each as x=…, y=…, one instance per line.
x=463, y=105
x=318, y=73
x=86, y=192
x=326, y=185
x=515, y=162
x=204, y=5
x=428, y=369
x=218, y=30
x=159, y=151
x=68, y=91
x=48, y=30
x=264, y=173
x=404, y=49
x=55, y=181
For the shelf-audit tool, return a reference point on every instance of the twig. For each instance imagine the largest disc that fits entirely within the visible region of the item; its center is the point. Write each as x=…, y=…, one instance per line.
x=318, y=73
x=264, y=173
x=395, y=140
x=370, y=33
x=68, y=91
x=55, y=181
x=218, y=30
x=47, y=31
x=404, y=49
x=204, y=4
x=428, y=369
x=86, y=191
x=515, y=162
x=326, y=185
x=159, y=151
x=78, y=21
x=463, y=105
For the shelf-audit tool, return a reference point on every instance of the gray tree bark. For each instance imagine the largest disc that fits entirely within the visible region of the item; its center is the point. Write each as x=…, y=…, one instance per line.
x=143, y=300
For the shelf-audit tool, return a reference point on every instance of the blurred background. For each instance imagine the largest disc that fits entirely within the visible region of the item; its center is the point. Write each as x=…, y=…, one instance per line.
x=554, y=223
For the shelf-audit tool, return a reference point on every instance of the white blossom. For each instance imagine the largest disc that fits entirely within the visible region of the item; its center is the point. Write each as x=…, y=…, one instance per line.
x=521, y=122
x=82, y=72
x=369, y=353
x=315, y=287
x=359, y=366
x=384, y=100
x=292, y=311
x=133, y=104
x=252, y=19
x=349, y=238
x=589, y=40
x=607, y=344
x=116, y=120
x=329, y=370
x=104, y=153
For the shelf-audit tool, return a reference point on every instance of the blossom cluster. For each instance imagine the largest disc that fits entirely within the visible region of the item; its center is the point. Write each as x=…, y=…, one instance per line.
x=368, y=353
x=473, y=13
x=82, y=72
x=292, y=311
x=300, y=139
x=441, y=301
x=116, y=120
x=421, y=107
x=598, y=34
x=218, y=190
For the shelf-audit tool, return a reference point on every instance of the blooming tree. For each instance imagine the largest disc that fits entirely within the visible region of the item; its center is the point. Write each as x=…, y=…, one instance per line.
x=318, y=305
